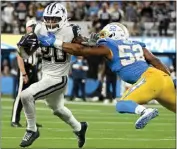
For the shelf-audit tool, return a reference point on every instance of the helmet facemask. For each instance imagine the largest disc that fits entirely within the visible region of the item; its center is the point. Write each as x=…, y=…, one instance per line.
x=53, y=23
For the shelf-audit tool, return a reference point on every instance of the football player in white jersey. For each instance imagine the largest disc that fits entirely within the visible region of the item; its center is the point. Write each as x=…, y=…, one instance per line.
x=55, y=68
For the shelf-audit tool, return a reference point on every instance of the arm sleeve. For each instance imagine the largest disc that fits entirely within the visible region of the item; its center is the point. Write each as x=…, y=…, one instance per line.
x=105, y=42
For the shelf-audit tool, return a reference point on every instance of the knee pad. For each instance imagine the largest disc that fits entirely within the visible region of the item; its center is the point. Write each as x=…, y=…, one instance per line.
x=126, y=106
x=26, y=97
x=118, y=106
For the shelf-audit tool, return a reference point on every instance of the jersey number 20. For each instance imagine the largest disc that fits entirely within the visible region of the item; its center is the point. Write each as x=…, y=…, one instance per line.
x=51, y=54
x=130, y=54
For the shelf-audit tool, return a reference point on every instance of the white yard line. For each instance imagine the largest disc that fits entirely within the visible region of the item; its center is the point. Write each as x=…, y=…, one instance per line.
x=47, y=109
x=101, y=122
x=125, y=139
x=96, y=117
x=97, y=130
x=86, y=111
x=85, y=103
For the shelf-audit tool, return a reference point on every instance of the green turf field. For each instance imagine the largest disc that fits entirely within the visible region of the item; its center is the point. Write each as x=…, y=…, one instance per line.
x=107, y=129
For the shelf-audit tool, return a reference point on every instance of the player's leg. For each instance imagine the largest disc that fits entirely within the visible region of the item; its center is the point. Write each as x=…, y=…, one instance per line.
x=33, y=78
x=140, y=93
x=37, y=90
x=167, y=98
x=32, y=132
x=56, y=102
x=27, y=99
x=28, y=102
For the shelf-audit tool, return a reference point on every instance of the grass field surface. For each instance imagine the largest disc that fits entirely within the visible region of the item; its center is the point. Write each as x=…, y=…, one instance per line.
x=107, y=128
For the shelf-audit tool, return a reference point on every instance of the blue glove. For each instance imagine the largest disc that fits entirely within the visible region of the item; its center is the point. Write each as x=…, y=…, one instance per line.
x=47, y=41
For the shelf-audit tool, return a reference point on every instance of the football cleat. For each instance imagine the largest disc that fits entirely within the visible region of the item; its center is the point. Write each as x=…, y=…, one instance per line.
x=29, y=138
x=38, y=125
x=81, y=134
x=148, y=115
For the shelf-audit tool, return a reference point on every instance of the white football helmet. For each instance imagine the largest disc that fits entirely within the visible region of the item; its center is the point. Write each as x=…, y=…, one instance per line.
x=116, y=31
x=55, y=16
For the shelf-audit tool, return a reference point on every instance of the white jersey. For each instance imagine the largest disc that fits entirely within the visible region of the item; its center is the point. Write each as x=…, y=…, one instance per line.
x=55, y=62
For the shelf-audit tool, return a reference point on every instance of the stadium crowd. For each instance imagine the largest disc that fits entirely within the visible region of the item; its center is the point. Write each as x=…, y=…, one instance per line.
x=140, y=17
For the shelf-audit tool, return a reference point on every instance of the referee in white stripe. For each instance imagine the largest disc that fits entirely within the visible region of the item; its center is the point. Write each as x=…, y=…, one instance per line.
x=27, y=76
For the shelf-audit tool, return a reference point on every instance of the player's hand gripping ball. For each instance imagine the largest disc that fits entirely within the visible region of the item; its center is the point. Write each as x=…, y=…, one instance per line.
x=27, y=45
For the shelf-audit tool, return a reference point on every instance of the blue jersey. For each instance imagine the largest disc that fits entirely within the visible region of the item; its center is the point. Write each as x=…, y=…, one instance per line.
x=128, y=60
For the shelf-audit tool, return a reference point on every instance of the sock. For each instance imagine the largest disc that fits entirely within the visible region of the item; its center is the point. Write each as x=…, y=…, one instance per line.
x=74, y=123
x=29, y=110
x=31, y=124
x=126, y=106
x=66, y=115
x=139, y=109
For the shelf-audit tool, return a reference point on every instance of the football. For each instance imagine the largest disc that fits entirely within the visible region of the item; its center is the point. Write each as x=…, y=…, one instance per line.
x=27, y=45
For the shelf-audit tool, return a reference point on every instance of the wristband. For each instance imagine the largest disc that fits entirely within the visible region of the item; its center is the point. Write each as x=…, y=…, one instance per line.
x=24, y=75
x=58, y=44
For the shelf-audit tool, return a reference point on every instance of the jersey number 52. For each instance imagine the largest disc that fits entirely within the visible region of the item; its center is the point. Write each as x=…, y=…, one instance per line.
x=130, y=54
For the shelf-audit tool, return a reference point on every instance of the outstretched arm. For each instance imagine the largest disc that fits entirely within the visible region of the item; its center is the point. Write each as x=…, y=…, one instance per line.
x=81, y=50
x=153, y=60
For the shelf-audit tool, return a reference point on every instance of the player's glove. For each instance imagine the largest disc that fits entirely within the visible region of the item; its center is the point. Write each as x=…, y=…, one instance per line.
x=92, y=40
x=50, y=41
x=27, y=45
x=47, y=41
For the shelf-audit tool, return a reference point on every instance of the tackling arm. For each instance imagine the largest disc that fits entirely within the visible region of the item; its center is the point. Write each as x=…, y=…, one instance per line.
x=79, y=39
x=81, y=50
x=153, y=60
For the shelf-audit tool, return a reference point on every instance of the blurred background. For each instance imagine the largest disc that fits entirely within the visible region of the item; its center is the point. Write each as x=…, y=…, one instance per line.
x=153, y=23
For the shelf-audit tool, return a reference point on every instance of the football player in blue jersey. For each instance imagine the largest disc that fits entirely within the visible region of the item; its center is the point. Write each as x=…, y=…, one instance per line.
x=134, y=64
